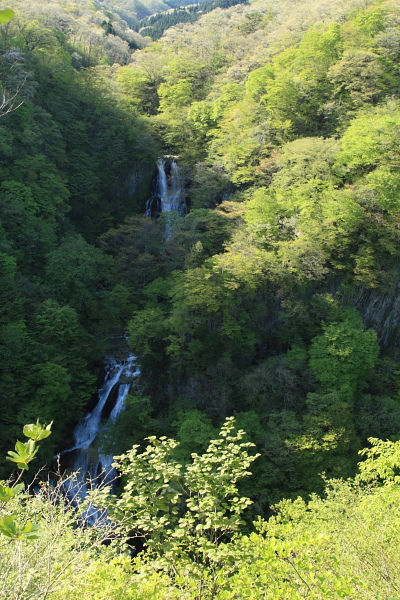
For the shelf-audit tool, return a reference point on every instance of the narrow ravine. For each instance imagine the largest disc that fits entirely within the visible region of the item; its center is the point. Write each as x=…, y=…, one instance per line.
x=88, y=465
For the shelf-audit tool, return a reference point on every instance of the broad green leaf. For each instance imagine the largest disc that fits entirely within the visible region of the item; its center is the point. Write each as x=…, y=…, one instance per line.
x=6, y=15
x=37, y=431
x=31, y=531
x=6, y=493
x=8, y=526
x=25, y=452
x=18, y=488
x=11, y=529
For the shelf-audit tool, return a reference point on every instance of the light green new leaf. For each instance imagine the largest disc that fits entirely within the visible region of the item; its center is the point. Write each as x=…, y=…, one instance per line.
x=31, y=531
x=36, y=431
x=11, y=529
x=23, y=454
x=8, y=526
x=6, y=15
x=6, y=492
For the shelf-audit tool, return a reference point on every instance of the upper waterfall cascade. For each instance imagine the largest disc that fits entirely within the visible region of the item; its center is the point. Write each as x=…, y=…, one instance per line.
x=169, y=194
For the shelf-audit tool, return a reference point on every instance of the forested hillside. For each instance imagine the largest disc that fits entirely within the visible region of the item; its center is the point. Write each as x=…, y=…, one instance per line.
x=273, y=298
x=74, y=161
x=155, y=25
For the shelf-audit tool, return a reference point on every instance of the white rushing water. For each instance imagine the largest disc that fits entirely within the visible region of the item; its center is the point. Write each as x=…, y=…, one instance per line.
x=91, y=467
x=170, y=190
x=170, y=194
x=88, y=428
x=106, y=460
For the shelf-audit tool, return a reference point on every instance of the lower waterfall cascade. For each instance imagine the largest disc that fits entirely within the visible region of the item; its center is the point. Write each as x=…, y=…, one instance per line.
x=89, y=464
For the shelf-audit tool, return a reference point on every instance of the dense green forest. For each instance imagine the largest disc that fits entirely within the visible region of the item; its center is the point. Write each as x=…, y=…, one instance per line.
x=273, y=299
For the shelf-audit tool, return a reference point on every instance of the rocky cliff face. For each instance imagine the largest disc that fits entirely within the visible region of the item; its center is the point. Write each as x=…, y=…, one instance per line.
x=381, y=311
x=138, y=185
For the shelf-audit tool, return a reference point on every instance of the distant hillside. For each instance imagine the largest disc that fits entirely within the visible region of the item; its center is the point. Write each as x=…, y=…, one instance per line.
x=155, y=25
x=134, y=11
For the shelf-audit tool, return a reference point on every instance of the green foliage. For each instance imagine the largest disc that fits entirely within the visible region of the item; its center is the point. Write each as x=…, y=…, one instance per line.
x=285, y=123
x=65, y=557
x=321, y=549
x=135, y=424
x=76, y=270
x=343, y=544
x=24, y=453
x=378, y=415
x=370, y=141
x=306, y=159
x=193, y=433
x=362, y=77
x=178, y=94
x=11, y=529
x=73, y=160
x=382, y=462
x=6, y=492
x=343, y=355
x=136, y=245
x=186, y=515
x=155, y=25
x=294, y=86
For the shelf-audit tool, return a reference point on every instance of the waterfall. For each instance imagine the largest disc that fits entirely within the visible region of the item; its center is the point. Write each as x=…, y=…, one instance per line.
x=89, y=465
x=170, y=191
x=169, y=194
x=87, y=429
x=162, y=184
x=106, y=460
